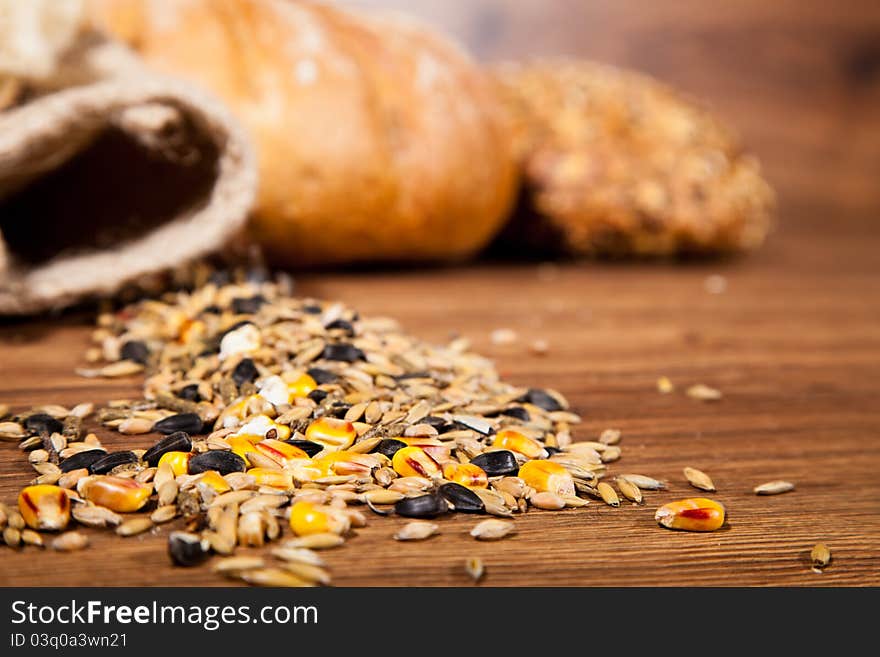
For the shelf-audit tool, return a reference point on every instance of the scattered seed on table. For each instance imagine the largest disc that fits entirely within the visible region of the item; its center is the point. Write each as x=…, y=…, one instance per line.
x=629, y=490
x=303, y=555
x=608, y=494
x=308, y=572
x=231, y=565
x=774, y=488
x=134, y=526
x=164, y=514
x=820, y=556
x=503, y=336
x=187, y=549
x=492, y=529
x=316, y=541
x=665, y=386
x=539, y=347
x=644, y=482
x=30, y=537
x=92, y=515
x=70, y=541
x=417, y=530
x=547, y=501
x=703, y=393
x=275, y=577
x=695, y=514
x=610, y=437
x=474, y=567
x=699, y=479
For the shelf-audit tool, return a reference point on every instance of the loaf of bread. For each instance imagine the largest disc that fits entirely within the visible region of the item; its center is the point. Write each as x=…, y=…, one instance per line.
x=377, y=139
x=616, y=164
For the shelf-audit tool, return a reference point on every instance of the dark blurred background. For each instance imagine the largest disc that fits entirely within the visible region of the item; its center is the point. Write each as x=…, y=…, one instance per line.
x=798, y=79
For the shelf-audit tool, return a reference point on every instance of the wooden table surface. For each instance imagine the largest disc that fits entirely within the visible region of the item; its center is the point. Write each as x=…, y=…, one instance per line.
x=793, y=341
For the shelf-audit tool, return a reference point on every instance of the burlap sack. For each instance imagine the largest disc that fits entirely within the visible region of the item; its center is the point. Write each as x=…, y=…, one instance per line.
x=109, y=172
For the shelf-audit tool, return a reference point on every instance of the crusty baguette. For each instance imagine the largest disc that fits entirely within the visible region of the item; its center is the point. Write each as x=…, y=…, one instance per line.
x=378, y=140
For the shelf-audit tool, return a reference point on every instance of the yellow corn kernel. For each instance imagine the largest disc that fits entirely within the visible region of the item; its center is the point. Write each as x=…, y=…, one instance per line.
x=272, y=478
x=243, y=444
x=344, y=462
x=307, y=518
x=331, y=433
x=215, y=480
x=177, y=461
x=190, y=330
x=433, y=447
x=305, y=471
x=244, y=407
x=118, y=494
x=415, y=462
x=279, y=452
x=466, y=474
x=44, y=507
x=547, y=476
x=694, y=514
x=301, y=387
x=517, y=442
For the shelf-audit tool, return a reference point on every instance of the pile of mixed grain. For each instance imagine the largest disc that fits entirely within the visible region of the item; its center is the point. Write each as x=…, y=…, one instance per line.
x=288, y=421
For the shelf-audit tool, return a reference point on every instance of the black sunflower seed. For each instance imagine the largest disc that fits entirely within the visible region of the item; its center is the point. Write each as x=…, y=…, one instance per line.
x=318, y=396
x=245, y=372
x=220, y=460
x=541, y=399
x=340, y=325
x=338, y=410
x=188, y=422
x=212, y=310
x=82, y=459
x=307, y=446
x=190, y=392
x=461, y=498
x=344, y=352
x=434, y=421
x=423, y=506
x=517, y=412
x=112, y=460
x=248, y=305
x=388, y=447
x=42, y=423
x=322, y=376
x=178, y=441
x=312, y=309
x=186, y=549
x=497, y=463
x=135, y=350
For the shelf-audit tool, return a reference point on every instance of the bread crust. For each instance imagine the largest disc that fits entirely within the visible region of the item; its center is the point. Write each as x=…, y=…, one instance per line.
x=618, y=164
x=377, y=140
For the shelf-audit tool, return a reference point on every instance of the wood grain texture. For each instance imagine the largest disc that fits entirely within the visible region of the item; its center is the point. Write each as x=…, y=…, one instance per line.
x=793, y=342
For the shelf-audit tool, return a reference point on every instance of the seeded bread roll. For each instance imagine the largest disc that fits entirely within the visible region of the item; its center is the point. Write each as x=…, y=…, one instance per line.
x=377, y=139
x=615, y=163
